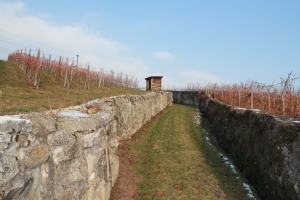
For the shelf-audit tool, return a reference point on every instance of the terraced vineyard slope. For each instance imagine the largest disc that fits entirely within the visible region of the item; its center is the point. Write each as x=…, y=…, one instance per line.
x=17, y=95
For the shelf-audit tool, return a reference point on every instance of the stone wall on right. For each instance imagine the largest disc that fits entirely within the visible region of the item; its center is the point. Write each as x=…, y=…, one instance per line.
x=265, y=147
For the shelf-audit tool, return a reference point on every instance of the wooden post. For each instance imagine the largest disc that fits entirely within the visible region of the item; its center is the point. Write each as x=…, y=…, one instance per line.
x=222, y=95
x=28, y=63
x=20, y=59
x=239, y=97
x=87, y=78
x=269, y=103
x=72, y=69
x=292, y=104
x=298, y=105
x=230, y=98
x=59, y=67
x=49, y=64
x=251, y=98
x=37, y=63
x=100, y=77
x=66, y=72
x=283, y=103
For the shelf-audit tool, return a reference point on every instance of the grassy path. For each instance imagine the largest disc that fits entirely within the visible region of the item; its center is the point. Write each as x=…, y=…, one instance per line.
x=177, y=162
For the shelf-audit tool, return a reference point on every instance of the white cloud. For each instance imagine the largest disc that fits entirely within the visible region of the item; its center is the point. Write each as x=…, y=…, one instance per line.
x=199, y=76
x=70, y=40
x=163, y=56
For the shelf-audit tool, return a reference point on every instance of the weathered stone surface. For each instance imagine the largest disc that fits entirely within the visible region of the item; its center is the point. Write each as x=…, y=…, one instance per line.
x=186, y=98
x=71, y=125
x=35, y=155
x=132, y=112
x=59, y=138
x=8, y=167
x=91, y=139
x=74, y=175
x=43, y=123
x=63, y=153
x=5, y=139
x=10, y=125
x=71, y=158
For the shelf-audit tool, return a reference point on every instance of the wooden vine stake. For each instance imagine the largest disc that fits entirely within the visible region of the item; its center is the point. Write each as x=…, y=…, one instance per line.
x=37, y=65
x=283, y=104
x=251, y=98
x=239, y=97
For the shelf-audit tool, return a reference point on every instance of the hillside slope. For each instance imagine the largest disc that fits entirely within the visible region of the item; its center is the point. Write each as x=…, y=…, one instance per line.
x=17, y=95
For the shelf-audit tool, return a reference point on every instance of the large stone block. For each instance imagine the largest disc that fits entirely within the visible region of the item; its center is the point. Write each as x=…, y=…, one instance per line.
x=5, y=139
x=35, y=155
x=59, y=138
x=10, y=124
x=92, y=139
x=43, y=123
x=8, y=167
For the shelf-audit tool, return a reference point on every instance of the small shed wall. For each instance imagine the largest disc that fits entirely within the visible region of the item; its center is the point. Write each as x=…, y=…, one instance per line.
x=156, y=83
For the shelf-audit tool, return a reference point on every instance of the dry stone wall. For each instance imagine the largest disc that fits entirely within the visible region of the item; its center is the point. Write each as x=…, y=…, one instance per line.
x=265, y=147
x=51, y=155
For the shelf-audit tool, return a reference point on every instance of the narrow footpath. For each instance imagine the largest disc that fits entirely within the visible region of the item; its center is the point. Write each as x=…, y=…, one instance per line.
x=174, y=157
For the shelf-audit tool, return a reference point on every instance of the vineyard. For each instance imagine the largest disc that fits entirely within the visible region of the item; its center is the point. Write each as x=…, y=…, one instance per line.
x=65, y=71
x=281, y=98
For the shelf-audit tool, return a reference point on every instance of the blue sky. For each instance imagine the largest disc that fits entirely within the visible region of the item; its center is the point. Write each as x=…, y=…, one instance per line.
x=184, y=41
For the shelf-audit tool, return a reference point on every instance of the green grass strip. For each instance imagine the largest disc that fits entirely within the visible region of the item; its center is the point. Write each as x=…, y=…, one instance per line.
x=177, y=163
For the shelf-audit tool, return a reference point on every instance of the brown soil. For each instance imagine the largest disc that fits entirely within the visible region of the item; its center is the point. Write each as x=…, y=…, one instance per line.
x=126, y=187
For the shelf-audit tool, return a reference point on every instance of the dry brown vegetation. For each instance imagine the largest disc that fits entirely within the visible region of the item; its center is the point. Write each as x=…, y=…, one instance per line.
x=65, y=71
x=281, y=98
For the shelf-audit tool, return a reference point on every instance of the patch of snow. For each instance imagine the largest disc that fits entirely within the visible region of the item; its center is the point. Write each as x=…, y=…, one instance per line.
x=197, y=117
x=239, y=108
x=233, y=169
x=203, y=130
x=296, y=122
x=197, y=120
x=17, y=116
x=209, y=143
x=255, y=110
x=227, y=162
x=247, y=187
x=72, y=113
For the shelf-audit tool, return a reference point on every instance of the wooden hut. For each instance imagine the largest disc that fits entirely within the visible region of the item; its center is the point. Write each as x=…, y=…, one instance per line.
x=153, y=83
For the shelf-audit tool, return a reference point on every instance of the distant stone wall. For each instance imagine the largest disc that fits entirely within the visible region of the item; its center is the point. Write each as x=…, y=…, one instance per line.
x=186, y=98
x=265, y=147
x=51, y=156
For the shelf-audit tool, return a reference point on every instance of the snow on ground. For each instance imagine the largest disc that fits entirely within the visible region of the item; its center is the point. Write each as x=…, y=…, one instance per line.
x=225, y=159
x=240, y=108
x=247, y=187
x=228, y=163
x=72, y=113
x=255, y=110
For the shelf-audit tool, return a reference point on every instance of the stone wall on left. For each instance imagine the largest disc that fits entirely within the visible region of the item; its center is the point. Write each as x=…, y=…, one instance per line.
x=71, y=153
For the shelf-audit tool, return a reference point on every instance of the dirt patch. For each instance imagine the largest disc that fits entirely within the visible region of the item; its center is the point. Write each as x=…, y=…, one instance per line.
x=126, y=187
